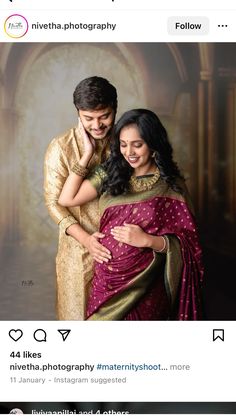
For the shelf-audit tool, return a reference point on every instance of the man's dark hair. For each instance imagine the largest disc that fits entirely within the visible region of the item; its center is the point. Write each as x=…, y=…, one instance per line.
x=95, y=93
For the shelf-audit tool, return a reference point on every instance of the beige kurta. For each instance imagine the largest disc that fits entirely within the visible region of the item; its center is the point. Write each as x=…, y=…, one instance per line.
x=74, y=265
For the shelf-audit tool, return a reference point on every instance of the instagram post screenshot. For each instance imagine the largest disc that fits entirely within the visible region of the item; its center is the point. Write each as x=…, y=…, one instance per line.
x=118, y=208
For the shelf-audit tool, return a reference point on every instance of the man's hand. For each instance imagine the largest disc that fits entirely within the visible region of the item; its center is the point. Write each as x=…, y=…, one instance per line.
x=91, y=242
x=88, y=142
x=97, y=250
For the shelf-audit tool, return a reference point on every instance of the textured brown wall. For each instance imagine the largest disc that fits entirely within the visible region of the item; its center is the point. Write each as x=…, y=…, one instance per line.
x=190, y=86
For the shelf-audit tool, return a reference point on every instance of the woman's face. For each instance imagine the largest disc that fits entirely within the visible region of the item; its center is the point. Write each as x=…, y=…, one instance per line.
x=135, y=150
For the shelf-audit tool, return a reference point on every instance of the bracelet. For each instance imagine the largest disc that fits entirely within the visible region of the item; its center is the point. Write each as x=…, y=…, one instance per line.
x=80, y=170
x=164, y=247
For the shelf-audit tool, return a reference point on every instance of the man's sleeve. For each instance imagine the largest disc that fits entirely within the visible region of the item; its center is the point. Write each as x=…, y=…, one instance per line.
x=55, y=174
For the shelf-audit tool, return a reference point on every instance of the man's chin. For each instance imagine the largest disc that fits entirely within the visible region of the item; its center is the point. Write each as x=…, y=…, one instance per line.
x=100, y=137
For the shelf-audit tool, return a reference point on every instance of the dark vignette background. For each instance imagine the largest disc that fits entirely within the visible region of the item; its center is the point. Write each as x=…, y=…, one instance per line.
x=191, y=86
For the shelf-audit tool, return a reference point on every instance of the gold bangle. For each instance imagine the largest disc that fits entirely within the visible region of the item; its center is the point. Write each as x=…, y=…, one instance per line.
x=164, y=247
x=80, y=170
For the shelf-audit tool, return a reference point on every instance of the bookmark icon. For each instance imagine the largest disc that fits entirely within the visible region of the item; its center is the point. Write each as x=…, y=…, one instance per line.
x=218, y=334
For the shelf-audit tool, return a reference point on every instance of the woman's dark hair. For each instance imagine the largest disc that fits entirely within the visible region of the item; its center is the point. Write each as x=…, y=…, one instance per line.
x=95, y=93
x=155, y=136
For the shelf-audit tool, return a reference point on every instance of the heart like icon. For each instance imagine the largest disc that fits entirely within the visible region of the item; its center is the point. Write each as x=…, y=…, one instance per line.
x=15, y=334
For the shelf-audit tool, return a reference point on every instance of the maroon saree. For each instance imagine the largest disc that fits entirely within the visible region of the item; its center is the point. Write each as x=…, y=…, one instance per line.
x=138, y=283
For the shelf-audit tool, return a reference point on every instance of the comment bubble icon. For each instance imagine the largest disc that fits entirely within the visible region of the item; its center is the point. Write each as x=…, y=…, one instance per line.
x=40, y=335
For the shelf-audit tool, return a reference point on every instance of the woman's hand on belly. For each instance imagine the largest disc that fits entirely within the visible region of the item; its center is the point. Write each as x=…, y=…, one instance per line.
x=131, y=234
x=134, y=236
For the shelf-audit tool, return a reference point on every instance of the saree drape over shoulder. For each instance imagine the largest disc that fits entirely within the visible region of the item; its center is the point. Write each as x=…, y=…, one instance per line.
x=138, y=283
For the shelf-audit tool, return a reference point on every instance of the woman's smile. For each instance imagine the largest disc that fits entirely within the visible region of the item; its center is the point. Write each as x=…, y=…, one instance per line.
x=133, y=159
x=135, y=151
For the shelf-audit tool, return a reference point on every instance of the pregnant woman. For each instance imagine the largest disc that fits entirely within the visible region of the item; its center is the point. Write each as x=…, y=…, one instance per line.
x=154, y=270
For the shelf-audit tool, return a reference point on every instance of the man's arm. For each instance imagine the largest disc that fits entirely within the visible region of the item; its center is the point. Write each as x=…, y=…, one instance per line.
x=96, y=250
x=55, y=174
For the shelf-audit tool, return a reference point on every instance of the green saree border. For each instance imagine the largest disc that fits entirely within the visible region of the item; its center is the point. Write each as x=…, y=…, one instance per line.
x=173, y=267
x=120, y=304
x=160, y=190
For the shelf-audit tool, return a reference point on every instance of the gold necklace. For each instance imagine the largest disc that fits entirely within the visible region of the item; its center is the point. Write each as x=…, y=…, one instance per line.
x=141, y=184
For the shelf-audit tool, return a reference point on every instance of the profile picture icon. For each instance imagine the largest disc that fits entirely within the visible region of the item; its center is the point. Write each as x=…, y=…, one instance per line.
x=16, y=26
x=16, y=411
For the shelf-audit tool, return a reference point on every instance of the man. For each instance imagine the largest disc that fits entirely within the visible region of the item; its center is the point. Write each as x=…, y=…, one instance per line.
x=96, y=102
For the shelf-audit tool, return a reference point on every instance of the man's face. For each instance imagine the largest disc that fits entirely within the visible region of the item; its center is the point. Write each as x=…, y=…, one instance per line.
x=97, y=123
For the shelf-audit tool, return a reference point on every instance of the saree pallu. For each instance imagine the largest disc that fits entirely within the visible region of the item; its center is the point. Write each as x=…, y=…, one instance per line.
x=138, y=283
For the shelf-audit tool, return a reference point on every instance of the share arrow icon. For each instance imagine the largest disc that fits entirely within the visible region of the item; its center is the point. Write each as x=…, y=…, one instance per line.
x=64, y=333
